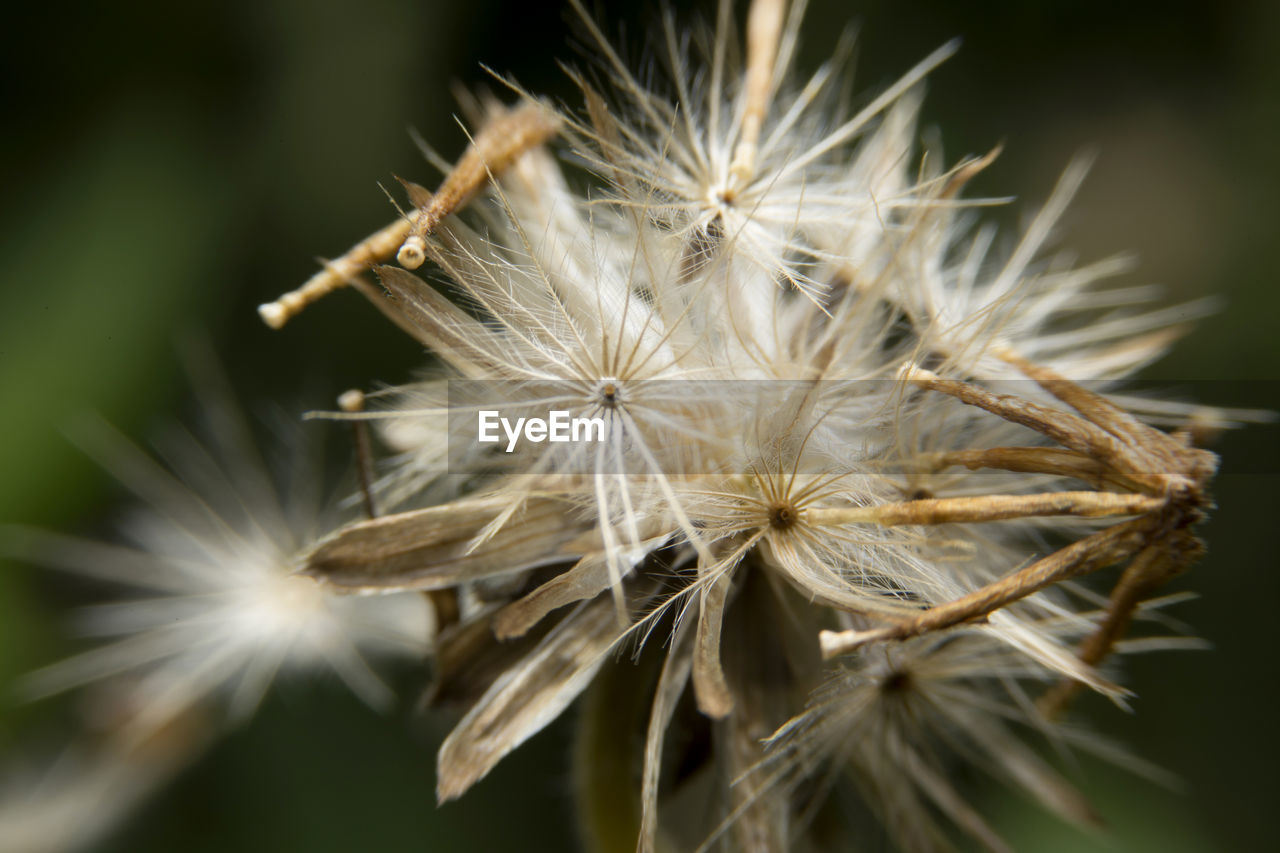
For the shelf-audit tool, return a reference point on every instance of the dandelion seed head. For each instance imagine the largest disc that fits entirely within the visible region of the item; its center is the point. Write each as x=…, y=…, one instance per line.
x=854, y=460
x=840, y=429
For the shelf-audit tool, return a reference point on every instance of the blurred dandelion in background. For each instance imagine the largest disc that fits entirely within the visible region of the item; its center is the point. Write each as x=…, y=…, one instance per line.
x=218, y=613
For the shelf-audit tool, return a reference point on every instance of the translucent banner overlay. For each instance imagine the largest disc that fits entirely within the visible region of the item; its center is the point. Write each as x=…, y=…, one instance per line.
x=875, y=427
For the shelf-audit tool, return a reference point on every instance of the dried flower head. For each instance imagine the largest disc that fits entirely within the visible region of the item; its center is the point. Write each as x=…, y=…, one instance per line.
x=848, y=456
x=840, y=464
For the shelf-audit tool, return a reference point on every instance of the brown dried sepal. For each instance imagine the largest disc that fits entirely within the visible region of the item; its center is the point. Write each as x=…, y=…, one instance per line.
x=443, y=546
x=1166, y=480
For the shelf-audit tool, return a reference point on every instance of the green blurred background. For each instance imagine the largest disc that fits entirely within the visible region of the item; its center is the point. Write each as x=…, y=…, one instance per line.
x=167, y=167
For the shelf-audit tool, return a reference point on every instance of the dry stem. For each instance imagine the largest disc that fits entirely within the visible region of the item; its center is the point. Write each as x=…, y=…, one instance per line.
x=764, y=32
x=506, y=136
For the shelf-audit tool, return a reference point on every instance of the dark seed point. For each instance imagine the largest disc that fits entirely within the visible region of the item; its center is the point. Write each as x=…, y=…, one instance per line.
x=782, y=516
x=897, y=682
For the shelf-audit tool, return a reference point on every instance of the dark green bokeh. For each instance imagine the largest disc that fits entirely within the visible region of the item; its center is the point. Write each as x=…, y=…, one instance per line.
x=170, y=166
